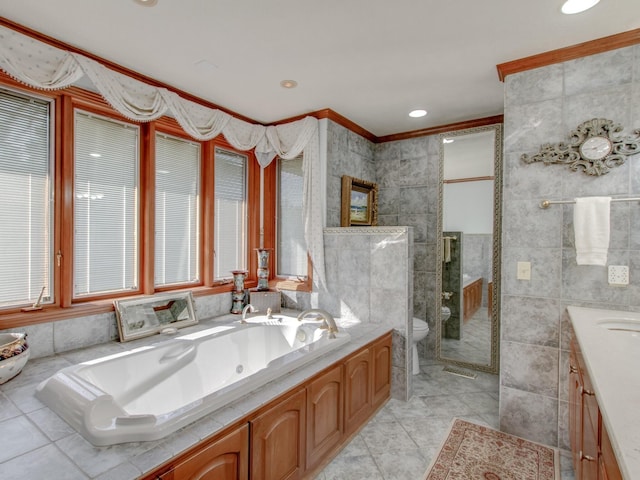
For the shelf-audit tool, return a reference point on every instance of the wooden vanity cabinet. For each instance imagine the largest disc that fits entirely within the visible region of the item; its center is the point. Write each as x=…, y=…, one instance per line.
x=593, y=457
x=222, y=458
x=575, y=411
x=607, y=465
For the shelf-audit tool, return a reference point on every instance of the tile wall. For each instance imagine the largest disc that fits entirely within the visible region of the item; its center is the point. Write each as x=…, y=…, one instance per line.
x=543, y=106
x=369, y=271
x=347, y=154
x=56, y=337
x=407, y=172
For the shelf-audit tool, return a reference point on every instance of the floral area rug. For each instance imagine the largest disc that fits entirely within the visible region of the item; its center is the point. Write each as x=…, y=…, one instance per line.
x=474, y=452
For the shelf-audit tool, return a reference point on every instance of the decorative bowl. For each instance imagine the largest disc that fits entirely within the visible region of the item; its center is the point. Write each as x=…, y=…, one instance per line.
x=14, y=353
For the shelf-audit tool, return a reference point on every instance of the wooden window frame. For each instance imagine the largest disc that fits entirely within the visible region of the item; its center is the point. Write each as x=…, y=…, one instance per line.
x=168, y=126
x=67, y=183
x=270, y=212
x=65, y=103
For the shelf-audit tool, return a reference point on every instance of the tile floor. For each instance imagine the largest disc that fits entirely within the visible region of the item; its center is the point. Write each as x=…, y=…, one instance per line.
x=400, y=441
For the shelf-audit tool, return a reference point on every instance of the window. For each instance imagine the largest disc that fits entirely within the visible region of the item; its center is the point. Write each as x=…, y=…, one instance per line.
x=230, y=215
x=291, y=246
x=27, y=200
x=177, y=235
x=106, y=208
x=146, y=209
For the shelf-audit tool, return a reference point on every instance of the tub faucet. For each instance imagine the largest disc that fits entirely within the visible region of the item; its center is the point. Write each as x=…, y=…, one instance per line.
x=329, y=322
x=248, y=308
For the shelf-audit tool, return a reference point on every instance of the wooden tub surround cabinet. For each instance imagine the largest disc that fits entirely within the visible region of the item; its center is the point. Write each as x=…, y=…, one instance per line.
x=298, y=433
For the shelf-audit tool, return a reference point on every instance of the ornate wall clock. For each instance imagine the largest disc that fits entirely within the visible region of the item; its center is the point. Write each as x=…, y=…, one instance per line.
x=593, y=147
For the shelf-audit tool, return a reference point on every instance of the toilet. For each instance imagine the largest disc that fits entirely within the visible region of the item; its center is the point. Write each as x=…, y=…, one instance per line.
x=420, y=331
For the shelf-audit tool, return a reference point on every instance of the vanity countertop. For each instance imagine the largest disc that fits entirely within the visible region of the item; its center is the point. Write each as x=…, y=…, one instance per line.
x=612, y=359
x=38, y=444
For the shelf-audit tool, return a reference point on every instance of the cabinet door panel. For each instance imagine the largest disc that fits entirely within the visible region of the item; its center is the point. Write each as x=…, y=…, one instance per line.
x=358, y=392
x=278, y=440
x=225, y=459
x=325, y=419
x=589, y=453
x=381, y=370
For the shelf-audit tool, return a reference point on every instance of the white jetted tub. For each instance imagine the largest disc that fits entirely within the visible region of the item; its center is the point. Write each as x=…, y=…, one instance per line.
x=150, y=392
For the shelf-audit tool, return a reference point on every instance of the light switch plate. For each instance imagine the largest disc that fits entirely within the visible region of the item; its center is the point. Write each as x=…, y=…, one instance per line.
x=523, y=271
x=618, y=275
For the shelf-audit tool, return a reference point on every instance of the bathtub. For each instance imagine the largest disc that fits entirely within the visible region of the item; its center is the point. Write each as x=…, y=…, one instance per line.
x=152, y=391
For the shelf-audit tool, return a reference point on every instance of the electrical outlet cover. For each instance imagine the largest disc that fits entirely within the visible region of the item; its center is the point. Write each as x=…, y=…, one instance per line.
x=618, y=275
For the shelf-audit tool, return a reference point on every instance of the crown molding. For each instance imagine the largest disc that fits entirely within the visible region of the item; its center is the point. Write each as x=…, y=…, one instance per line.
x=355, y=128
x=592, y=47
x=337, y=118
x=451, y=127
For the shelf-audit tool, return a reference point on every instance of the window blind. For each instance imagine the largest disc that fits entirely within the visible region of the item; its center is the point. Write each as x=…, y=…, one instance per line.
x=106, y=189
x=26, y=200
x=177, y=210
x=292, y=248
x=230, y=221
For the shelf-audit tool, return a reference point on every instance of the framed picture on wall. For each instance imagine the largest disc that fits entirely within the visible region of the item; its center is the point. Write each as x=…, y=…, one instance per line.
x=359, y=203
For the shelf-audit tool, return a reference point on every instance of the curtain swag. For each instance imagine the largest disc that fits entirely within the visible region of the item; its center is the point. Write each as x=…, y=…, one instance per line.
x=45, y=67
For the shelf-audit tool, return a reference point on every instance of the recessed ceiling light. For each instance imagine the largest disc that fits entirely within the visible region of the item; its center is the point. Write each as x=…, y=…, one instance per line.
x=417, y=113
x=288, y=84
x=448, y=140
x=146, y=3
x=576, y=6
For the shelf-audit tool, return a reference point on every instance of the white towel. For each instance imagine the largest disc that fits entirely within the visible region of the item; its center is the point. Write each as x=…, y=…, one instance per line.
x=447, y=249
x=591, y=227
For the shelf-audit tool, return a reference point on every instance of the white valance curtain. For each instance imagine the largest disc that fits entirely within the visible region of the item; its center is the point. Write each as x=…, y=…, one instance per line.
x=45, y=67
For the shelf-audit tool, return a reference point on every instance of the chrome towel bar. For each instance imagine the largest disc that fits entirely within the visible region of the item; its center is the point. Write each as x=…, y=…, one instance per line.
x=548, y=203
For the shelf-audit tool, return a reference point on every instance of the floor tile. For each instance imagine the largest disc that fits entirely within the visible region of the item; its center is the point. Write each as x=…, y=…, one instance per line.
x=410, y=466
x=386, y=437
x=402, y=439
x=351, y=468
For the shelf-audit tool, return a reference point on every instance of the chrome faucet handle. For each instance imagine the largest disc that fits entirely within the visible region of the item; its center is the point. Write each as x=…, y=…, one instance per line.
x=328, y=323
x=247, y=308
x=447, y=295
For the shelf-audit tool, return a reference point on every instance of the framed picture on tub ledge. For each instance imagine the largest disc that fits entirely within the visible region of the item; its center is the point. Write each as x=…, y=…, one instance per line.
x=359, y=203
x=143, y=316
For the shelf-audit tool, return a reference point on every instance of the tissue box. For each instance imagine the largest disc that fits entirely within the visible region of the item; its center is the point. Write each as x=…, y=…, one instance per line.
x=262, y=300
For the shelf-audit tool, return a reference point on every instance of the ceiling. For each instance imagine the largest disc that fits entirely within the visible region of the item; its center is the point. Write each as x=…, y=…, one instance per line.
x=371, y=61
